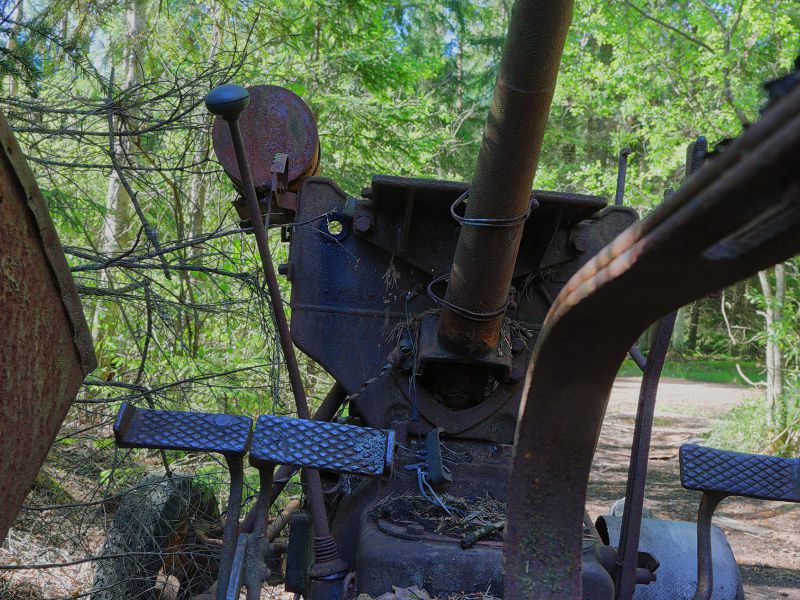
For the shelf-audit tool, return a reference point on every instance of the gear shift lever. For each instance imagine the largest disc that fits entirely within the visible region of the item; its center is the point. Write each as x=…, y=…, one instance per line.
x=227, y=102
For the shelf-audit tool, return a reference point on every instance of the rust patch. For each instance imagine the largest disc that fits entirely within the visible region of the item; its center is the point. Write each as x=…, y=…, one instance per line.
x=45, y=347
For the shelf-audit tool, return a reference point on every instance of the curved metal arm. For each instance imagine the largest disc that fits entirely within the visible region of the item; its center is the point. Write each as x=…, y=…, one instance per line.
x=736, y=216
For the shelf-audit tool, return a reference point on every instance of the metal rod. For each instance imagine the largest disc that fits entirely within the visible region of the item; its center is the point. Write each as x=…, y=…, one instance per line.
x=258, y=549
x=705, y=565
x=301, y=403
x=282, y=520
x=640, y=454
x=512, y=138
x=231, y=524
x=622, y=172
x=233, y=586
x=640, y=451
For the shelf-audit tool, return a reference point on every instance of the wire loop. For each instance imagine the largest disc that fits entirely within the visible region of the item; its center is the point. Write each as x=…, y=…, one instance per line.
x=460, y=310
x=487, y=222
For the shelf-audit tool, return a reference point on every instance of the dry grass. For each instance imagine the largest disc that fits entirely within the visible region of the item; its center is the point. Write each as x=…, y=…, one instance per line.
x=466, y=516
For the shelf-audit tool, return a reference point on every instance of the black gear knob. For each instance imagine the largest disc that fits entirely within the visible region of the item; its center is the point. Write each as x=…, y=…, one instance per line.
x=227, y=101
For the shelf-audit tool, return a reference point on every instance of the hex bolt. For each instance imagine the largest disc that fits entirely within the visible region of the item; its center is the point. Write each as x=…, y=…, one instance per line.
x=363, y=223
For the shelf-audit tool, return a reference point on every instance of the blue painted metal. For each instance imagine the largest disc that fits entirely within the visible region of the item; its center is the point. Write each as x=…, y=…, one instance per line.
x=177, y=430
x=319, y=445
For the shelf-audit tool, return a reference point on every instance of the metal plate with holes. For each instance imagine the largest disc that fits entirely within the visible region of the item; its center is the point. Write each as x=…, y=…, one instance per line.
x=176, y=430
x=320, y=445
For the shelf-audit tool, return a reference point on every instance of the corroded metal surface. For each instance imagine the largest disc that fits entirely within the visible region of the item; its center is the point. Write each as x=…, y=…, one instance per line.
x=45, y=347
x=484, y=259
x=737, y=215
x=277, y=120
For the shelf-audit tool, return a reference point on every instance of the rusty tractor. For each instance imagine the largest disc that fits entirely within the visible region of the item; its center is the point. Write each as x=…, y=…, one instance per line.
x=473, y=332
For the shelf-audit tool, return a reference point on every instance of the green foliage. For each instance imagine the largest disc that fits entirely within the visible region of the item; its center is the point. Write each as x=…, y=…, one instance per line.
x=709, y=370
x=398, y=88
x=742, y=429
x=654, y=75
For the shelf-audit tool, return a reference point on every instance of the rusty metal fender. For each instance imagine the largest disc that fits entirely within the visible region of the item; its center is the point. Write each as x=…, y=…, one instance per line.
x=45, y=345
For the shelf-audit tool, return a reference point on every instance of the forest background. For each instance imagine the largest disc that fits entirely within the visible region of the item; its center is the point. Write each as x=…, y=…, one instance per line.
x=105, y=97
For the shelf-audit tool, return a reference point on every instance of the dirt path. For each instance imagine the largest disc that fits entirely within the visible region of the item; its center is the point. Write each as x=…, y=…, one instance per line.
x=764, y=535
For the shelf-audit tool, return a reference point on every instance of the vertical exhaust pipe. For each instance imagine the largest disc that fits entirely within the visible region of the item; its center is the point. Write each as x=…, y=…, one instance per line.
x=500, y=196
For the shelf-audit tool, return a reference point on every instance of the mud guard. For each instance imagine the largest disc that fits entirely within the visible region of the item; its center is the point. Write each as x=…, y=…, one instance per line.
x=45, y=346
x=674, y=545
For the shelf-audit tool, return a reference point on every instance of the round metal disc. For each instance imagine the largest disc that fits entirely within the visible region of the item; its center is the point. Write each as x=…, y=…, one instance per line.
x=277, y=120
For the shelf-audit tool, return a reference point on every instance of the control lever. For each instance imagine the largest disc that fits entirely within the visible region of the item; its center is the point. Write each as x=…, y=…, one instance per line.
x=228, y=102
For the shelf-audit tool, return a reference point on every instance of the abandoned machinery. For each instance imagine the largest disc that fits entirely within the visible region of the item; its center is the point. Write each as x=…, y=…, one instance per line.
x=473, y=333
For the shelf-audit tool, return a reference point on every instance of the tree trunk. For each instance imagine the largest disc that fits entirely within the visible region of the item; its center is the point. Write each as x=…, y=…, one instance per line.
x=678, y=344
x=460, y=63
x=118, y=203
x=16, y=16
x=118, y=206
x=773, y=314
x=198, y=187
x=691, y=341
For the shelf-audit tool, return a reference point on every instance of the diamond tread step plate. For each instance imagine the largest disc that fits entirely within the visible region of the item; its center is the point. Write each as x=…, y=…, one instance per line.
x=177, y=430
x=738, y=474
x=322, y=445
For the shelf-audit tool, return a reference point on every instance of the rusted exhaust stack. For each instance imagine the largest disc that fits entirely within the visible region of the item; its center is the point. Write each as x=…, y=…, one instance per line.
x=484, y=260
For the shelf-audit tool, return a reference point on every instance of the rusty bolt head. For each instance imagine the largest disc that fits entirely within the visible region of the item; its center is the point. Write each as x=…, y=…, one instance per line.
x=363, y=223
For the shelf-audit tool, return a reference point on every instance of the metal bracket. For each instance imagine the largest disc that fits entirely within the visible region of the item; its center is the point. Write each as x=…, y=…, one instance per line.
x=438, y=474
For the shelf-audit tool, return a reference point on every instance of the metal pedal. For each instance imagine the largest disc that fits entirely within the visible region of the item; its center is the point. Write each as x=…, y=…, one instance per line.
x=322, y=445
x=720, y=473
x=739, y=474
x=178, y=430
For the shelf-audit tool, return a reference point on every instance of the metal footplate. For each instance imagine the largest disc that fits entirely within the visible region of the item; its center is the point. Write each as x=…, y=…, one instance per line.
x=719, y=474
x=177, y=430
x=737, y=474
x=322, y=445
